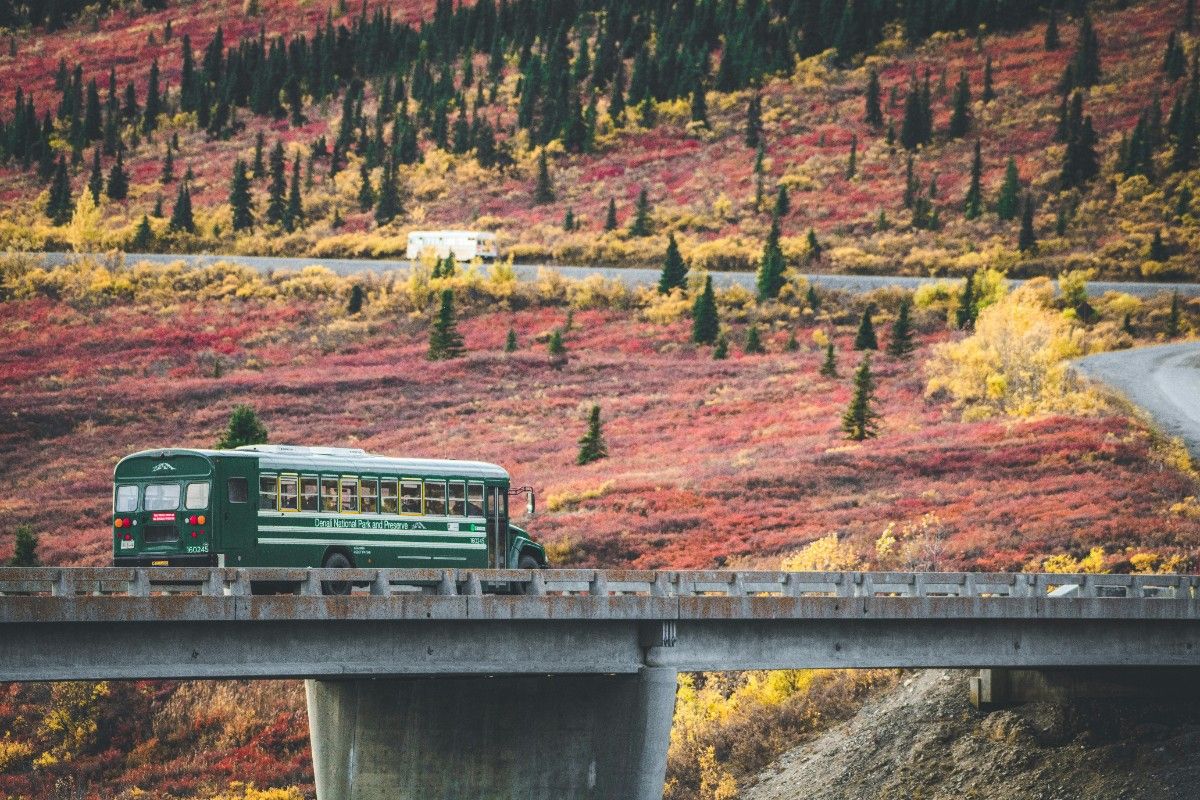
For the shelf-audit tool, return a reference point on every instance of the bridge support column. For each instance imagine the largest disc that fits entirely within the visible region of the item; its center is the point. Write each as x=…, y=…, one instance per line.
x=556, y=737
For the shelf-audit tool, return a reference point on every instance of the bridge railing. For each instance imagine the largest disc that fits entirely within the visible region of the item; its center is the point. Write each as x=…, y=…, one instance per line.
x=143, y=582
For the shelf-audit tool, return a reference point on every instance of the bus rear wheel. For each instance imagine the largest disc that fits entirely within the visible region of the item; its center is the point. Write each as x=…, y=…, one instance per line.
x=336, y=561
x=526, y=562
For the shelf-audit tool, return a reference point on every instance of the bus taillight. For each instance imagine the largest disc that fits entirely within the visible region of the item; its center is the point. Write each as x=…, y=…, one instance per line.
x=196, y=520
x=120, y=522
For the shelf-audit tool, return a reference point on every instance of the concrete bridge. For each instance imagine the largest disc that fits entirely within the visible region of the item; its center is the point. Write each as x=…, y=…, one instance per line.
x=560, y=683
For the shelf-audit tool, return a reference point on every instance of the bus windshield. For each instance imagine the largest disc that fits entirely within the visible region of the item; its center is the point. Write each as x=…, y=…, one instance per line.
x=162, y=497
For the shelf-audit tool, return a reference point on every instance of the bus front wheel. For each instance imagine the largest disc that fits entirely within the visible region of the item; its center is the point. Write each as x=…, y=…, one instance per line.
x=336, y=561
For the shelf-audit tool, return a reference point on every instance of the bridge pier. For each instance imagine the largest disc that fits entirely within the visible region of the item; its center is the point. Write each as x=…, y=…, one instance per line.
x=535, y=737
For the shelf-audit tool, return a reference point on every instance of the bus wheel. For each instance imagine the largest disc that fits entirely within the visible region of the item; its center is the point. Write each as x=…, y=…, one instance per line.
x=336, y=561
x=526, y=562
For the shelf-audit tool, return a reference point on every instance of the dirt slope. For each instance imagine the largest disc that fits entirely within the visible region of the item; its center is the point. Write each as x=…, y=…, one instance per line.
x=924, y=741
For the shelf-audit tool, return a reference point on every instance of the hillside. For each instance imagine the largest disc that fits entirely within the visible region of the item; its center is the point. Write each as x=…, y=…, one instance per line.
x=460, y=146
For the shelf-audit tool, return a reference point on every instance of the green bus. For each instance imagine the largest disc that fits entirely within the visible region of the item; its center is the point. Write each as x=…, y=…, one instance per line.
x=289, y=506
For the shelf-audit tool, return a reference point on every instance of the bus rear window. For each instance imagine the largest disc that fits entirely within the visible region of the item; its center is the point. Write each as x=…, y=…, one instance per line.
x=126, y=499
x=197, y=495
x=162, y=497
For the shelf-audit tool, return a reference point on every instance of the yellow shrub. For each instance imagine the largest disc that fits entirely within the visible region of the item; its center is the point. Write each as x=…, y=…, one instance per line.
x=14, y=754
x=70, y=723
x=664, y=309
x=1063, y=563
x=569, y=498
x=241, y=791
x=827, y=554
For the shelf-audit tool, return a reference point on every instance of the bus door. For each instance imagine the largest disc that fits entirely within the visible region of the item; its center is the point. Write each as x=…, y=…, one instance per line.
x=239, y=511
x=497, y=526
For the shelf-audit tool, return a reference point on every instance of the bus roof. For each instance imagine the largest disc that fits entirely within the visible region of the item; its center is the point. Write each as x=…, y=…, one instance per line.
x=350, y=459
x=484, y=234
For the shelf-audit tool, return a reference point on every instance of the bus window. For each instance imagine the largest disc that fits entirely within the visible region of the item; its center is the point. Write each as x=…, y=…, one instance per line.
x=197, y=495
x=309, y=497
x=289, y=498
x=162, y=497
x=410, y=497
x=267, y=484
x=329, y=494
x=239, y=490
x=369, y=488
x=350, y=495
x=388, y=500
x=126, y=499
x=435, y=498
x=474, y=499
x=458, y=499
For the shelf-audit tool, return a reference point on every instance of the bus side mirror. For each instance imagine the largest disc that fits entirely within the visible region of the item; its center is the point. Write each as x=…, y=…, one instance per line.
x=530, y=504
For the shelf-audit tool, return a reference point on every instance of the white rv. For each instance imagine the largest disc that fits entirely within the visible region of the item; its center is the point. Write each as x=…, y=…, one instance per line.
x=464, y=245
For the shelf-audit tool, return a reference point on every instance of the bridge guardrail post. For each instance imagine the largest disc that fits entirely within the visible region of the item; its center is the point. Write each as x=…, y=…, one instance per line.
x=598, y=587
x=140, y=585
x=661, y=586
x=380, y=585
x=474, y=587
x=214, y=584
x=64, y=585
x=537, y=584
x=447, y=586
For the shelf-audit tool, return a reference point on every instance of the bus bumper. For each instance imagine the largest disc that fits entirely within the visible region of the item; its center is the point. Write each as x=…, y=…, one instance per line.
x=165, y=560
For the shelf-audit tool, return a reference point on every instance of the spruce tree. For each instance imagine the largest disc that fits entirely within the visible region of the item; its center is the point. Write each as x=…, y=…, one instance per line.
x=366, y=193
x=355, y=303
x=960, y=117
x=705, y=323
x=60, y=204
x=759, y=176
x=973, y=204
x=277, y=186
x=814, y=247
x=989, y=90
x=1086, y=64
x=181, y=214
x=699, y=104
x=674, y=270
x=293, y=215
x=543, y=192
x=1027, y=240
x=829, y=365
x=168, y=167
x=865, y=339
x=852, y=161
x=117, y=187
x=771, y=267
x=1051, y=40
x=257, y=167
x=792, y=344
x=640, y=226
x=391, y=197
x=1080, y=162
x=591, y=444
x=1183, y=202
x=721, y=348
x=964, y=314
x=95, y=182
x=610, y=218
x=1173, y=318
x=783, y=203
x=861, y=421
x=240, y=201
x=445, y=342
x=873, y=113
x=510, y=341
x=754, y=344
x=244, y=428
x=912, y=130
x=1158, y=249
x=143, y=237
x=25, y=545
x=153, y=101
x=1174, y=59
x=569, y=223
x=754, y=120
x=901, y=344
x=1008, y=203
x=814, y=302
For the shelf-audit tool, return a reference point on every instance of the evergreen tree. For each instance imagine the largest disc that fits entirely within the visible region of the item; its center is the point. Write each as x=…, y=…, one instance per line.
x=153, y=101
x=1027, y=240
x=770, y=269
x=143, y=237
x=510, y=341
x=95, y=182
x=911, y=187
x=257, y=167
x=1173, y=318
x=675, y=269
x=965, y=313
x=699, y=104
x=814, y=247
x=792, y=344
x=1158, y=248
x=852, y=161
x=277, y=186
x=829, y=365
x=240, y=202
x=244, y=428
x=1174, y=60
x=989, y=89
x=554, y=345
x=1008, y=203
x=610, y=218
x=754, y=344
x=705, y=323
x=543, y=192
x=901, y=344
x=973, y=204
x=960, y=117
x=445, y=342
x=181, y=214
x=569, y=222
x=1051, y=40
x=760, y=170
x=117, y=187
x=754, y=120
x=366, y=193
x=873, y=113
x=157, y=211
x=1183, y=202
x=591, y=444
x=814, y=302
x=721, y=348
x=293, y=215
x=1086, y=63
x=25, y=545
x=355, y=303
x=1080, y=163
x=915, y=129
x=861, y=421
x=391, y=197
x=640, y=226
x=783, y=203
x=865, y=339
x=168, y=168
x=60, y=204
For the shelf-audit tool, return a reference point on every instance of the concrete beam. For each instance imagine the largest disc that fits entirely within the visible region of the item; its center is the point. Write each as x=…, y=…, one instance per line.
x=544, y=737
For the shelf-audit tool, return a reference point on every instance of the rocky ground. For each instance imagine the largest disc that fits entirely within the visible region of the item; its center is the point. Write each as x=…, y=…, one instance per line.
x=924, y=741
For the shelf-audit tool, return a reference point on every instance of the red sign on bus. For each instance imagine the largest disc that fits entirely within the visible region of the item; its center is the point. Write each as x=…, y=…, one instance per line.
x=162, y=516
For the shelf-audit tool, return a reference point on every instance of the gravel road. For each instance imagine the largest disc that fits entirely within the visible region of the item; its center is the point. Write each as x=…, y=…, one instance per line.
x=1164, y=380
x=631, y=276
